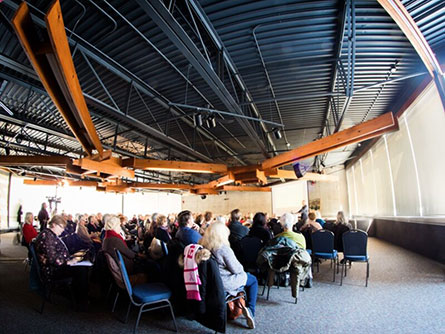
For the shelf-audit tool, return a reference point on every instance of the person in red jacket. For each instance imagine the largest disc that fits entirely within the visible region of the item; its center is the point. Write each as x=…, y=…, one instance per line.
x=29, y=232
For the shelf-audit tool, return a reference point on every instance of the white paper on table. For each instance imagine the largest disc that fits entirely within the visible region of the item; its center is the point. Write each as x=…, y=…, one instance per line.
x=85, y=263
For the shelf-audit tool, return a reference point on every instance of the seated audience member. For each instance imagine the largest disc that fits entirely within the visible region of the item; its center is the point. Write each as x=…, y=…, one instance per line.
x=161, y=229
x=234, y=278
x=341, y=220
x=237, y=230
x=259, y=228
x=29, y=232
x=341, y=226
x=93, y=226
x=311, y=224
x=319, y=220
x=134, y=262
x=199, y=220
x=55, y=263
x=208, y=217
x=82, y=230
x=274, y=226
x=287, y=222
x=100, y=221
x=186, y=234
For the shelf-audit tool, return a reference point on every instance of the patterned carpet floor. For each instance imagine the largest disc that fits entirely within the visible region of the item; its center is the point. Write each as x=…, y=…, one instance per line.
x=406, y=294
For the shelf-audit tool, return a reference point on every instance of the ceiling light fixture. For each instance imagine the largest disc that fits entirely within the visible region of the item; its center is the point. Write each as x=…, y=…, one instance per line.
x=198, y=120
x=211, y=122
x=277, y=133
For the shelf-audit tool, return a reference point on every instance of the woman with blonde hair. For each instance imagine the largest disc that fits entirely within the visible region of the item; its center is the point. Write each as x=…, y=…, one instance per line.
x=216, y=239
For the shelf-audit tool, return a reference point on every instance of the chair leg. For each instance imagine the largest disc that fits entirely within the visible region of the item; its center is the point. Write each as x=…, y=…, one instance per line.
x=268, y=290
x=367, y=272
x=341, y=276
x=333, y=269
x=173, y=316
x=264, y=289
x=109, y=292
x=128, y=313
x=115, y=302
x=137, y=319
x=346, y=267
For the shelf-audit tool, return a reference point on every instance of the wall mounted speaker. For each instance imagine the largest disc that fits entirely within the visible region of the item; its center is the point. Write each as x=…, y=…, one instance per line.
x=299, y=170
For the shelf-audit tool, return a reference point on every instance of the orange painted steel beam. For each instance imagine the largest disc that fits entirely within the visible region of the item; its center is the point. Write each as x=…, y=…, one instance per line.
x=370, y=129
x=53, y=64
x=226, y=179
x=119, y=189
x=111, y=167
x=246, y=188
x=177, y=166
x=34, y=160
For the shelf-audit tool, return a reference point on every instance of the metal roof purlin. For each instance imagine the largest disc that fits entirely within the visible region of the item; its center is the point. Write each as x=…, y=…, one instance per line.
x=230, y=63
x=110, y=64
x=173, y=30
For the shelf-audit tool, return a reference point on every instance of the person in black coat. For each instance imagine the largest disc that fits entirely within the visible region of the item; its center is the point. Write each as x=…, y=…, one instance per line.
x=259, y=228
x=237, y=230
x=43, y=217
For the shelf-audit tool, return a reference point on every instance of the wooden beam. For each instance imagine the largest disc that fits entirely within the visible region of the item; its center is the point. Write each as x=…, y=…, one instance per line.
x=119, y=189
x=67, y=75
x=108, y=167
x=370, y=129
x=82, y=183
x=226, y=179
x=261, y=177
x=41, y=182
x=244, y=169
x=56, y=72
x=290, y=175
x=246, y=188
x=177, y=166
x=205, y=191
x=146, y=185
x=34, y=160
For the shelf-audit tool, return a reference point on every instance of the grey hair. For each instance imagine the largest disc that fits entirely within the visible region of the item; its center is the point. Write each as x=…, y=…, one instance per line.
x=287, y=220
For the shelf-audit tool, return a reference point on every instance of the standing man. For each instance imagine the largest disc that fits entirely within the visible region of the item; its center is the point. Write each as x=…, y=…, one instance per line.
x=304, y=211
x=43, y=216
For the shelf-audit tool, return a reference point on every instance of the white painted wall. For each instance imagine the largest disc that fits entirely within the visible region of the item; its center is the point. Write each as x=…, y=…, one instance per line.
x=403, y=174
x=287, y=197
x=246, y=201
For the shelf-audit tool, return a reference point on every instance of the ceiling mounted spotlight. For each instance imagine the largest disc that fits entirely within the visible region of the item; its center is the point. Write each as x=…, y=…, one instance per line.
x=288, y=144
x=277, y=133
x=19, y=138
x=211, y=121
x=198, y=120
x=203, y=196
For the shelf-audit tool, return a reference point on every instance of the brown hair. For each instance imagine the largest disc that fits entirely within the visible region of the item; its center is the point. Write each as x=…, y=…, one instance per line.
x=57, y=220
x=235, y=215
x=208, y=216
x=183, y=218
x=312, y=216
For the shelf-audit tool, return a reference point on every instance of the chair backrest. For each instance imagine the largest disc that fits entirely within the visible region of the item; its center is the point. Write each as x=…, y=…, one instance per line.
x=322, y=241
x=250, y=247
x=355, y=242
x=164, y=248
x=115, y=270
x=124, y=274
x=35, y=260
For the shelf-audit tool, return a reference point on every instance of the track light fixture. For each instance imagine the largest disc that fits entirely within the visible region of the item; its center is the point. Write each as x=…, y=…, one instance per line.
x=277, y=133
x=211, y=121
x=198, y=119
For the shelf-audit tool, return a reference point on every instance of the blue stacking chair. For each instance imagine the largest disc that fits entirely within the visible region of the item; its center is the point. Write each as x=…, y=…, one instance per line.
x=355, y=243
x=148, y=297
x=323, y=247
